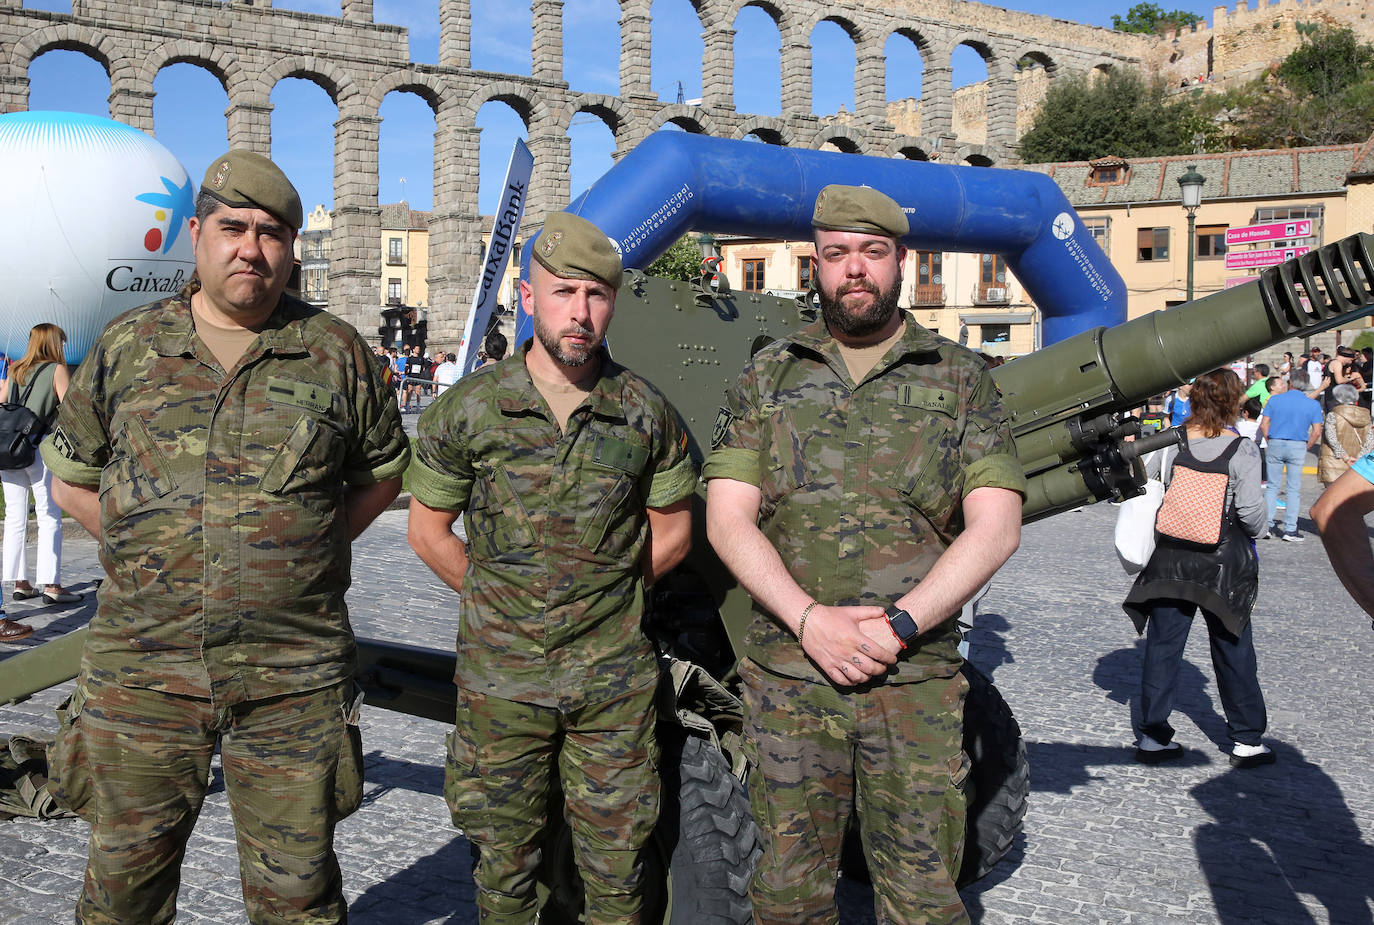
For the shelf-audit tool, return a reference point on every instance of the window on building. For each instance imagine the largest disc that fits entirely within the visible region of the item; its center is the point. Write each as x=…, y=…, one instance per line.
x=316, y=285
x=806, y=270
x=996, y=333
x=393, y=250
x=992, y=279
x=753, y=275
x=393, y=291
x=1294, y=213
x=930, y=279
x=1152, y=244
x=1211, y=241
x=1099, y=226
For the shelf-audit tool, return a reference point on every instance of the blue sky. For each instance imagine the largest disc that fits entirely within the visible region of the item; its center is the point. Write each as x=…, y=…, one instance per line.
x=188, y=110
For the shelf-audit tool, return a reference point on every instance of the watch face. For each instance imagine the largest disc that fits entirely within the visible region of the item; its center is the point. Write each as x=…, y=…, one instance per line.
x=903, y=625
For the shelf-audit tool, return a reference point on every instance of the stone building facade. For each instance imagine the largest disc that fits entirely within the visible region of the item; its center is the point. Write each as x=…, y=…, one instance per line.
x=249, y=46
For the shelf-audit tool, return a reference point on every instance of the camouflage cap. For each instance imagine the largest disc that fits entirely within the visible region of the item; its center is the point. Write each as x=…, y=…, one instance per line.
x=570, y=247
x=858, y=208
x=244, y=180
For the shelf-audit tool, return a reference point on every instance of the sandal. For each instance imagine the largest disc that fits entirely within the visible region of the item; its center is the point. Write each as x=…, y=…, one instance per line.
x=10, y=631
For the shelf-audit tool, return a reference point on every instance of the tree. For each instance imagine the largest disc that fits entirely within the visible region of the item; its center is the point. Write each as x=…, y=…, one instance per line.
x=1149, y=19
x=681, y=261
x=1321, y=94
x=1117, y=113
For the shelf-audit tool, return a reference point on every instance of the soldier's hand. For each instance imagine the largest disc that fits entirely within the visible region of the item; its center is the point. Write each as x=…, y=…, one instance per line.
x=836, y=641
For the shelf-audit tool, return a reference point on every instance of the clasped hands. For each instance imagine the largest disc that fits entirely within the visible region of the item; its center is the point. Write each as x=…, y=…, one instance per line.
x=852, y=645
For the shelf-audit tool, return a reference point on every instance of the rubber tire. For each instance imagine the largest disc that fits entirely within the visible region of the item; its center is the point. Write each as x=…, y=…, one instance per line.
x=1000, y=779
x=708, y=834
x=705, y=833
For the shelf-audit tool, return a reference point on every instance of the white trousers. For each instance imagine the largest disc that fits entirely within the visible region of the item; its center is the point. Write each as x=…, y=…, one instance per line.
x=18, y=484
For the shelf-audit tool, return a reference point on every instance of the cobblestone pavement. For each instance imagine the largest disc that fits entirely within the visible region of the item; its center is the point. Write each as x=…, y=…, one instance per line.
x=1105, y=839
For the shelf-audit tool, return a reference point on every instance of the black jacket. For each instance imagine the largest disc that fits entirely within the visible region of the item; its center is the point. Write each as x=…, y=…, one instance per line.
x=1223, y=581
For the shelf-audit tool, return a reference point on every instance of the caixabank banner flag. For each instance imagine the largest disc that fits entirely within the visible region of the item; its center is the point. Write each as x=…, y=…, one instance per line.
x=96, y=224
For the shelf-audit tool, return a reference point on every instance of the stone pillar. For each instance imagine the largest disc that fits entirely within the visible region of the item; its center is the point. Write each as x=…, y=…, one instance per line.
x=636, y=41
x=547, y=46
x=355, y=245
x=549, y=187
x=356, y=11
x=455, y=231
x=14, y=93
x=870, y=82
x=1001, y=109
x=937, y=100
x=250, y=125
x=717, y=68
x=455, y=34
x=796, y=77
x=133, y=106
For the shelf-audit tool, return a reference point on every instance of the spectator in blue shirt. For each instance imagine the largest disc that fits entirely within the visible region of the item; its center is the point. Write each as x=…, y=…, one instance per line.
x=1292, y=424
x=1339, y=515
x=1180, y=407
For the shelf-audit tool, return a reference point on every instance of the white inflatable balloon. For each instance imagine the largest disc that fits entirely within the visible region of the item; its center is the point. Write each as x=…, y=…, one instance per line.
x=97, y=225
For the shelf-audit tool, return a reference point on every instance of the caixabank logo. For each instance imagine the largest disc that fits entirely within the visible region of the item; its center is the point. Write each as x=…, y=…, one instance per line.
x=172, y=210
x=105, y=224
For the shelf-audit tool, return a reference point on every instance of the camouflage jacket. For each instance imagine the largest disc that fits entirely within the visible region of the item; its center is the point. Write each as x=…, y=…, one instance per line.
x=223, y=532
x=556, y=528
x=861, y=483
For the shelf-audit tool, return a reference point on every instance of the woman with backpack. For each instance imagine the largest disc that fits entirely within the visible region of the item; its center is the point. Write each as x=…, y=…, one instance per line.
x=38, y=381
x=1204, y=559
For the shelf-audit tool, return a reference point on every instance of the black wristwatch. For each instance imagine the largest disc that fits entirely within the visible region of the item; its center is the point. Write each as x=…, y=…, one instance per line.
x=902, y=626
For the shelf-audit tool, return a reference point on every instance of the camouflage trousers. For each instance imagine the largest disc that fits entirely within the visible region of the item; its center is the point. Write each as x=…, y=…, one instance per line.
x=890, y=753
x=505, y=758
x=135, y=763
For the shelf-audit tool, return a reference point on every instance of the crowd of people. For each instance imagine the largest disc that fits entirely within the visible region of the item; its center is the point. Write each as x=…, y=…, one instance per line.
x=419, y=373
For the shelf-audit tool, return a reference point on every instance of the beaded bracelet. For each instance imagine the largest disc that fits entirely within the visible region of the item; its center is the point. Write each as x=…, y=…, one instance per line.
x=801, y=628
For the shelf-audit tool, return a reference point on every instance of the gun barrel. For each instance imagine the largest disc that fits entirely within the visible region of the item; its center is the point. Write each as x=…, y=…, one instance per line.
x=1062, y=399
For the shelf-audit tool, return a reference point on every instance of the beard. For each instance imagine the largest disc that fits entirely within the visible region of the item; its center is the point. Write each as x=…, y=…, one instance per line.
x=576, y=355
x=861, y=322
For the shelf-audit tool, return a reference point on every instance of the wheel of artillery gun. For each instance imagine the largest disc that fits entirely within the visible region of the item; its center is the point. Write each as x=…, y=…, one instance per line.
x=999, y=784
x=706, y=839
x=1000, y=778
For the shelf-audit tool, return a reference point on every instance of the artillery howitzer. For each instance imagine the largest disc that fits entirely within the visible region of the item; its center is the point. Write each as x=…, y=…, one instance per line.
x=1069, y=404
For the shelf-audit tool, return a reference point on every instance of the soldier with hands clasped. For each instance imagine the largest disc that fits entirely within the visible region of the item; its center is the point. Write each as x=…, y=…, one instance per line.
x=862, y=486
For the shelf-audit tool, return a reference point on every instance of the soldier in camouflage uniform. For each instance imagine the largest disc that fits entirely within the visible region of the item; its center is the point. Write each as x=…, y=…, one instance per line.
x=862, y=486
x=574, y=479
x=225, y=445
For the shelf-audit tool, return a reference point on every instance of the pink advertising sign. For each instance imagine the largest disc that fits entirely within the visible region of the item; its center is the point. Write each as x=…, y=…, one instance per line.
x=1270, y=231
x=1245, y=260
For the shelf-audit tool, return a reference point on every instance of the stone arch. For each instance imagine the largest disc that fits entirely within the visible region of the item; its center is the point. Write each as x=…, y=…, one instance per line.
x=327, y=75
x=218, y=60
x=857, y=34
x=68, y=37
x=775, y=11
x=771, y=131
x=1037, y=55
x=406, y=81
x=609, y=109
x=842, y=137
x=526, y=102
x=975, y=156
x=694, y=119
x=925, y=47
x=911, y=147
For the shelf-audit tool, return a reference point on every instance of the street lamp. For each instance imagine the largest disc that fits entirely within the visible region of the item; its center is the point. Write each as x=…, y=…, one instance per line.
x=1190, y=186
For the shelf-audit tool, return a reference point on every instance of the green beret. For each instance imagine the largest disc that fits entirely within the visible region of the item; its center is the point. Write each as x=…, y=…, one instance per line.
x=244, y=180
x=570, y=247
x=858, y=208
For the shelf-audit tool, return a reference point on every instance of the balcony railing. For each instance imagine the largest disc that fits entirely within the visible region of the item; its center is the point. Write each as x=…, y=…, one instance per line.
x=928, y=294
x=990, y=295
